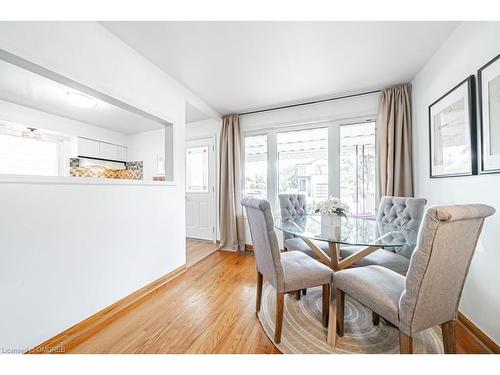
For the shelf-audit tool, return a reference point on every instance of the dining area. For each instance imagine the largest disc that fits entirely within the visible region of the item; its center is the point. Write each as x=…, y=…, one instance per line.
x=340, y=283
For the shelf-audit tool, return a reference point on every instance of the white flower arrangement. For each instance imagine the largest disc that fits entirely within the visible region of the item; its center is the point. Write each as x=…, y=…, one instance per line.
x=332, y=205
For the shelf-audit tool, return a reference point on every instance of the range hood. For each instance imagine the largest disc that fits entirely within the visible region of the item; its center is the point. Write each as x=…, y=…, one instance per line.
x=98, y=163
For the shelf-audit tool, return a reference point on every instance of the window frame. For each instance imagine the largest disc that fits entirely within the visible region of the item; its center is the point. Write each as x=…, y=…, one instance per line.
x=333, y=125
x=376, y=160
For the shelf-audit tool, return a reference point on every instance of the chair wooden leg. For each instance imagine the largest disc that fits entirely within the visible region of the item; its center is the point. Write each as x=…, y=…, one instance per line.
x=340, y=296
x=297, y=295
x=375, y=318
x=280, y=305
x=405, y=343
x=326, y=303
x=332, y=324
x=449, y=340
x=259, y=291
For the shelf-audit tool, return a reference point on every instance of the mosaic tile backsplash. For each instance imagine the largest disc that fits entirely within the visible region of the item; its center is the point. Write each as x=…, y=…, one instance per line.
x=133, y=171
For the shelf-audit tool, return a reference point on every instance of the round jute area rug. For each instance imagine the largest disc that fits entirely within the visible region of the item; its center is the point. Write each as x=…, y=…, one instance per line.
x=303, y=332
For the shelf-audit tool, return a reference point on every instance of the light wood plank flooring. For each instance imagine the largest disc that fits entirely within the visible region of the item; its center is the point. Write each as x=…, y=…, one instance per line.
x=208, y=309
x=197, y=250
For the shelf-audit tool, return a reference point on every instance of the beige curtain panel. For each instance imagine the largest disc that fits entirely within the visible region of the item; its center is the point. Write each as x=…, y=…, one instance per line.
x=395, y=142
x=230, y=211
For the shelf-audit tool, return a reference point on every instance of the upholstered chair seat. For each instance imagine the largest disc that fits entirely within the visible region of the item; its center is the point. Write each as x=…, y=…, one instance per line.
x=301, y=272
x=430, y=292
x=382, y=257
x=289, y=271
x=378, y=288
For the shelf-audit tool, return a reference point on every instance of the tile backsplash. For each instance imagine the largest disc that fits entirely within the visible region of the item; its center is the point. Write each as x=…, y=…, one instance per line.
x=133, y=170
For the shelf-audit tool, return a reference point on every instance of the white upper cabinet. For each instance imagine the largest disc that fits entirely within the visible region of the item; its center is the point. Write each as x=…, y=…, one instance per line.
x=88, y=147
x=108, y=151
x=122, y=153
x=101, y=150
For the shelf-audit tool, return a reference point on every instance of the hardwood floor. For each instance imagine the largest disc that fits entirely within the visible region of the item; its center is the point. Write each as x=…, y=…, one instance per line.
x=197, y=250
x=208, y=309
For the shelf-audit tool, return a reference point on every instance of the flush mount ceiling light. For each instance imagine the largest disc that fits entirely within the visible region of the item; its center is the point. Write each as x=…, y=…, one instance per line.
x=80, y=100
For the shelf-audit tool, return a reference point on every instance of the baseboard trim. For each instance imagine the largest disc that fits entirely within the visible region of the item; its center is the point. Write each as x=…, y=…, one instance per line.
x=79, y=332
x=481, y=336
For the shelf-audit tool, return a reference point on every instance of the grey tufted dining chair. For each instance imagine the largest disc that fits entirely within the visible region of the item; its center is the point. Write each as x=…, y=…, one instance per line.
x=430, y=292
x=403, y=212
x=291, y=206
x=287, y=271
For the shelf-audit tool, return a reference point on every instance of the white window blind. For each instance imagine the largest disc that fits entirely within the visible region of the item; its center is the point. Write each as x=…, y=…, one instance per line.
x=28, y=156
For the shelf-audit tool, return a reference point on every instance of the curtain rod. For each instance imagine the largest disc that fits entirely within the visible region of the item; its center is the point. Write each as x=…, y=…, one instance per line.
x=308, y=103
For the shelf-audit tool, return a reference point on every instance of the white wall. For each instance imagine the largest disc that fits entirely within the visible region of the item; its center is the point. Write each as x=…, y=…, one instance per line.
x=468, y=48
x=203, y=129
x=147, y=146
x=68, y=251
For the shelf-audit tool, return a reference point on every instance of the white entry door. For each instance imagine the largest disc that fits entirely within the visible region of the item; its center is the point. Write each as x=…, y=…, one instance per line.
x=200, y=189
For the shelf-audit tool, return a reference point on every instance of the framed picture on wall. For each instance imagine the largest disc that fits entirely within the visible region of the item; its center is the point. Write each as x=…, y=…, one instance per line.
x=452, y=132
x=489, y=109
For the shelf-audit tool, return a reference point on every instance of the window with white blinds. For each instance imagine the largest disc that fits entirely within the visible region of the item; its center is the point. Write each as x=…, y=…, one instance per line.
x=329, y=158
x=28, y=156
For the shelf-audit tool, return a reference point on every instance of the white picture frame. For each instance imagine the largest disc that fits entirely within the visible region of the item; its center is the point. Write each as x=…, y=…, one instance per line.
x=489, y=110
x=452, y=132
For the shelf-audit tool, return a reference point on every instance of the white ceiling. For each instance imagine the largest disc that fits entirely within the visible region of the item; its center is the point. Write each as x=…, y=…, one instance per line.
x=239, y=66
x=20, y=86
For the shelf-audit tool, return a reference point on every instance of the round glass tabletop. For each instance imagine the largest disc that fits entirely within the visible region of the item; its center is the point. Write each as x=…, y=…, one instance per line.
x=356, y=231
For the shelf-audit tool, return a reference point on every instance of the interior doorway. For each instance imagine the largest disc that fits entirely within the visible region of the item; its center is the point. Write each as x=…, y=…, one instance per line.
x=200, y=199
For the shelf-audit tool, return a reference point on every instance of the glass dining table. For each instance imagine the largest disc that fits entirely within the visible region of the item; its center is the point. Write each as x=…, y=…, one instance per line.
x=366, y=234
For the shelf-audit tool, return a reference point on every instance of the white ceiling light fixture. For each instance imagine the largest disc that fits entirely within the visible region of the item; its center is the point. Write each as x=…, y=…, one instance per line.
x=80, y=100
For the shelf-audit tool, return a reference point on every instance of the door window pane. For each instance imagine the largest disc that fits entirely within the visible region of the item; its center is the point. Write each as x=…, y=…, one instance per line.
x=197, y=169
x=256, y=166
x=303, y=164
x=357, y=167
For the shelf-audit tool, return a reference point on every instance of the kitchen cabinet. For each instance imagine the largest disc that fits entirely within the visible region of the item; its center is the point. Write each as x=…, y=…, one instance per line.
x=122, y=153
x=108, y=151
x=101, y=150
x=88, y=147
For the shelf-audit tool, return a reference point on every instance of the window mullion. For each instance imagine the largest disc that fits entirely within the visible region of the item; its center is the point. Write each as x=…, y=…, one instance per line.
x=272, y=170
x=334, y=160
